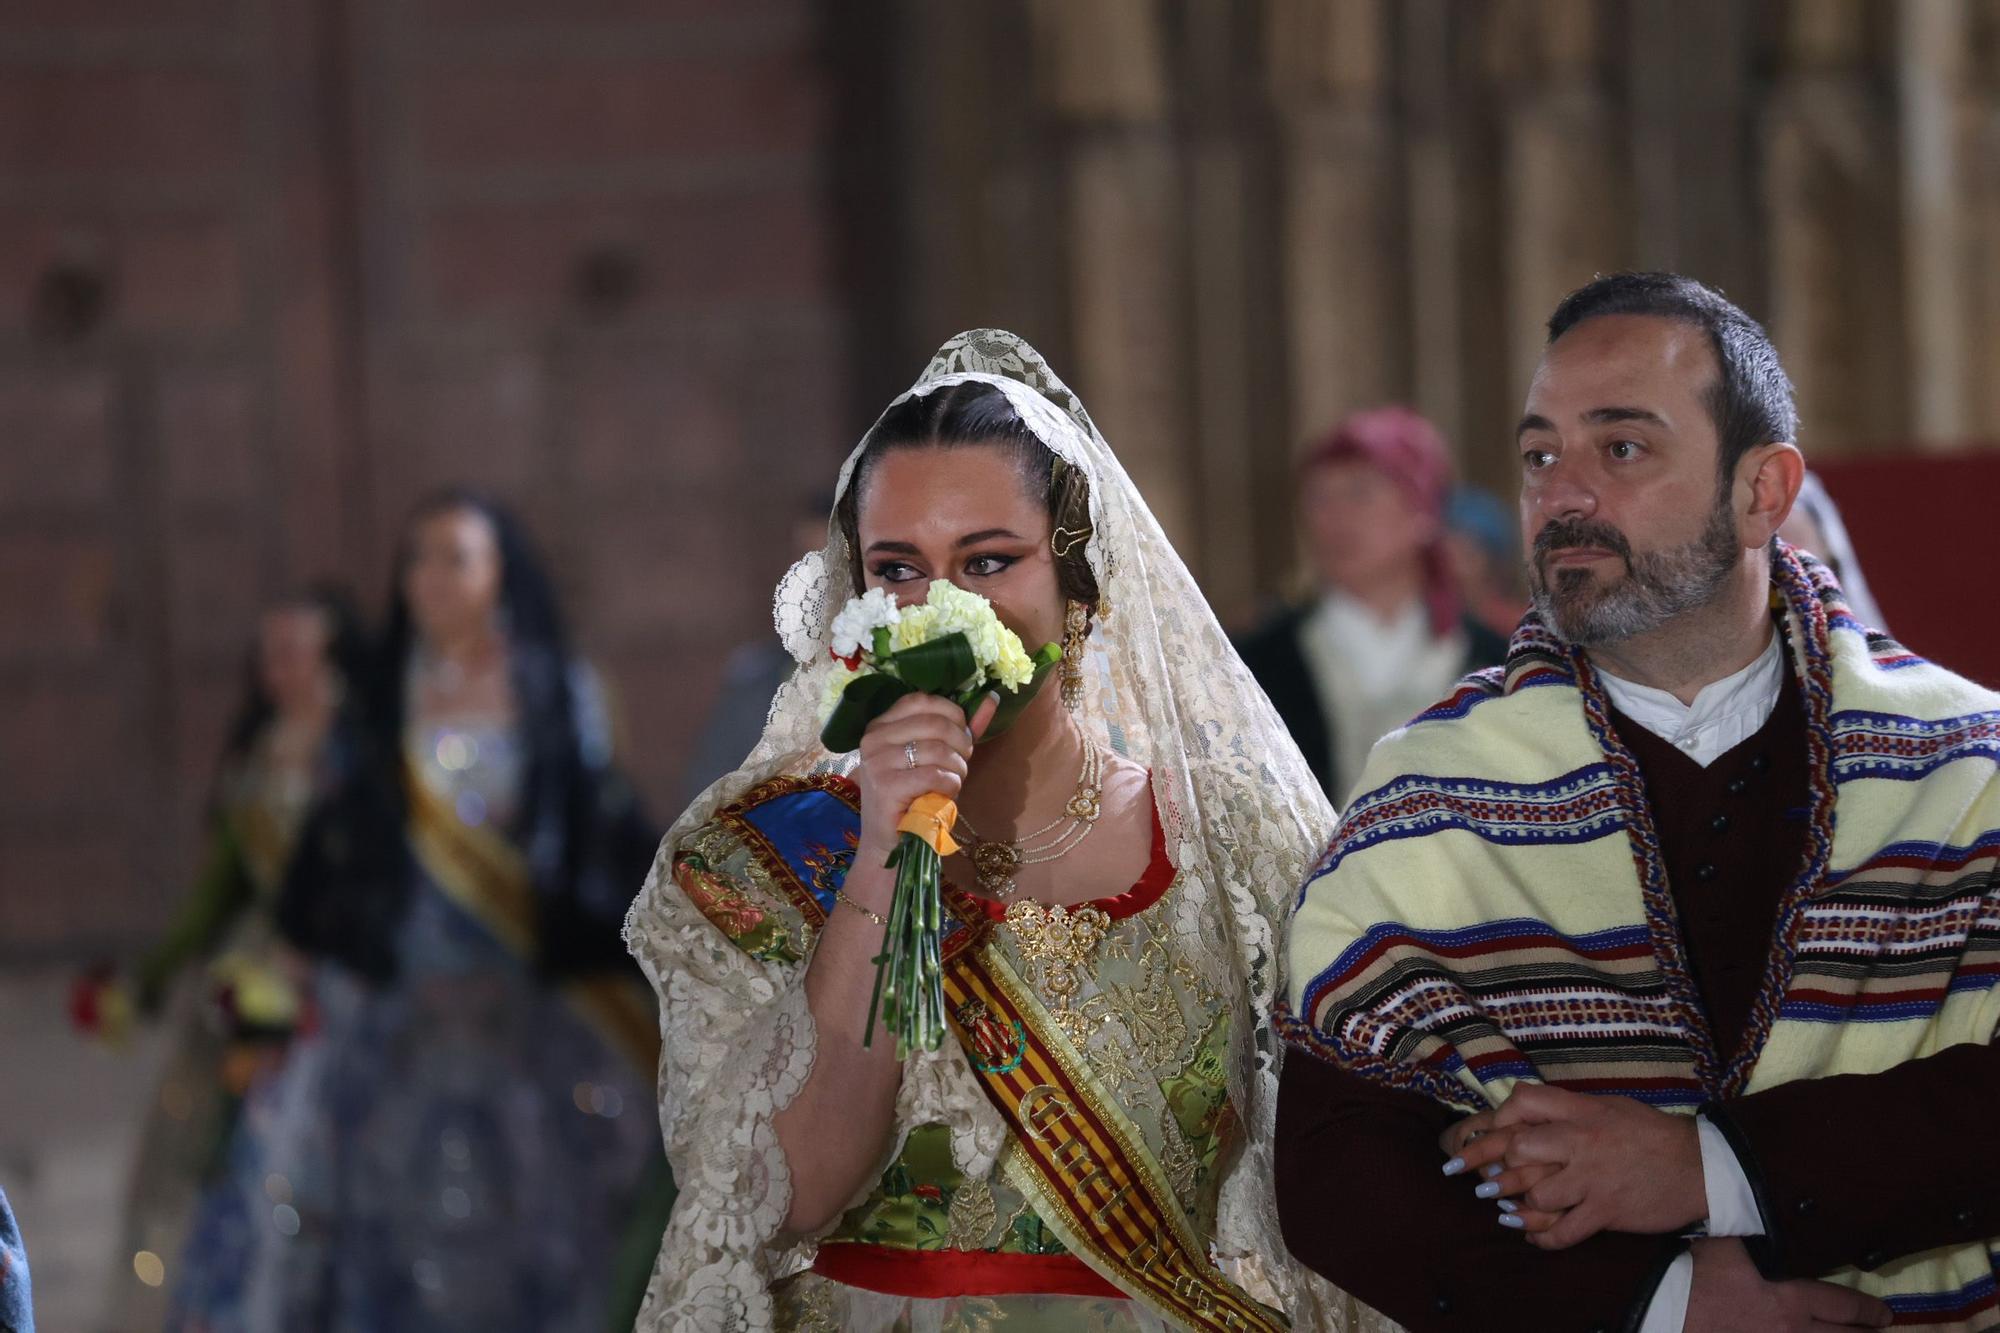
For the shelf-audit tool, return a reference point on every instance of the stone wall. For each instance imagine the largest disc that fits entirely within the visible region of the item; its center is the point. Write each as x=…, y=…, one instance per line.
x=271, y=269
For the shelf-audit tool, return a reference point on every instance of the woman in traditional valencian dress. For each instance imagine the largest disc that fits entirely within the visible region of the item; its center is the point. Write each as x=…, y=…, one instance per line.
x=292, y=737
x=1089, y=1149
x=475, y=1137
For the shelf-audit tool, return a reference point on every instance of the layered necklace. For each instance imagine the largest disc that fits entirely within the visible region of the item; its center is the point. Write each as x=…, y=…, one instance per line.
x=995, y=862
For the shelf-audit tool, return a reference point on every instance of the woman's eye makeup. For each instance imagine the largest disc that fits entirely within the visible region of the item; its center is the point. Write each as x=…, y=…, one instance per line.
x=982, y=566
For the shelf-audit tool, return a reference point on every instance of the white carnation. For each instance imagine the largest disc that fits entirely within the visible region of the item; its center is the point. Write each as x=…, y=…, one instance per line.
x=854, y=628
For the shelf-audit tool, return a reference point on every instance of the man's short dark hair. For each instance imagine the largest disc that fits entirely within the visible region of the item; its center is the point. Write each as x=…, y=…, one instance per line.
x=1752, y=402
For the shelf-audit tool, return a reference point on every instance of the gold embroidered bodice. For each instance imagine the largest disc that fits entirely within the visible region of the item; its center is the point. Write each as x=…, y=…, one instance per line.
x=1155, y=1033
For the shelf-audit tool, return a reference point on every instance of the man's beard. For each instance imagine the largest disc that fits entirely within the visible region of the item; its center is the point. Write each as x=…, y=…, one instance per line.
x=1657, y=587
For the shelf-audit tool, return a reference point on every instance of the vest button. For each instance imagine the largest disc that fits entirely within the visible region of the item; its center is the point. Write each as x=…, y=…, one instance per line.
x=1806, y=1207
x=1705, y=871
x=1719, y=824
x=1737, y=786
x=1760, y=763
x=1962, y=1218
x=1442, y=1305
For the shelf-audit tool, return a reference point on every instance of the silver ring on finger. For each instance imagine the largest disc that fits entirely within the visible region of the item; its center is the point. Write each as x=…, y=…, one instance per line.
x=909, y=754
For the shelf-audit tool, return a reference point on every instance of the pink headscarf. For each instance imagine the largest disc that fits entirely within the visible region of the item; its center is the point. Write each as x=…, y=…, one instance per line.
x=1410, y=450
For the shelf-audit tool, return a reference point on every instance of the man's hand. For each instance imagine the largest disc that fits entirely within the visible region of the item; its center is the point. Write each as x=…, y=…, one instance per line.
x=1731, y=1296
x=1578, y=1165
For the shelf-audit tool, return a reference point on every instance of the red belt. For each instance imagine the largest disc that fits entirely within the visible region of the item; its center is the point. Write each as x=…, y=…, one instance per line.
x=938, y=1273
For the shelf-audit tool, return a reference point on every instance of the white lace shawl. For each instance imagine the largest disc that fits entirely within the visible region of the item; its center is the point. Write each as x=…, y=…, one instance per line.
x=1243, y=818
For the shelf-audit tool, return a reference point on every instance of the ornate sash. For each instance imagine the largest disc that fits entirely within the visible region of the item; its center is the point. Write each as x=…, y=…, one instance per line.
x=1076, y=1156
x=484, y=874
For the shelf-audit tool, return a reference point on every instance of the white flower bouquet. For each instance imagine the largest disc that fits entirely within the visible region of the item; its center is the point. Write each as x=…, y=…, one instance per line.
x=953, y=645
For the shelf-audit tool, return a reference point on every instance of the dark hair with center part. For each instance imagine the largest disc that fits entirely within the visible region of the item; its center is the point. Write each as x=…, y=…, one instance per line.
x=979, y=414
x=1751, y=401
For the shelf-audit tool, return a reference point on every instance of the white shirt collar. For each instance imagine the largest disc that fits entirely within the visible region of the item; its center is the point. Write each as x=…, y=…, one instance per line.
x=1724, y=714
x=1373, y=675
x=1350, y=630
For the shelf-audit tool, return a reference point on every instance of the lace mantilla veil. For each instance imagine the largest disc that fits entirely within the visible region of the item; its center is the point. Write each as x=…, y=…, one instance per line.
x=1243, y=816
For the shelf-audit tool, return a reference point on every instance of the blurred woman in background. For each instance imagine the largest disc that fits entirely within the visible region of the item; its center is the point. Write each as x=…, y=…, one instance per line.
x=1384, y=632
x=466, y=1145
x=297, y=729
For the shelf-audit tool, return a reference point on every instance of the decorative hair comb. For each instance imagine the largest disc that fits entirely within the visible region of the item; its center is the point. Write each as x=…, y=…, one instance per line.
x=1064, y=540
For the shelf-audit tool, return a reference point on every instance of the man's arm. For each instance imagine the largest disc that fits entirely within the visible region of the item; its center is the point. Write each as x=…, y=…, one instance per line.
x=1363, y=1200
x=1862, y=1169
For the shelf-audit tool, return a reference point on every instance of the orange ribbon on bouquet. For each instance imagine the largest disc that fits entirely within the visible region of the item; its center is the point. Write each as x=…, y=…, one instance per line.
x=931, y=817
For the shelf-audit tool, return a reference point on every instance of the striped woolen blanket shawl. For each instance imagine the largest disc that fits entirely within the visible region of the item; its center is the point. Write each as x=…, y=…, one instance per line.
x=1494, y=906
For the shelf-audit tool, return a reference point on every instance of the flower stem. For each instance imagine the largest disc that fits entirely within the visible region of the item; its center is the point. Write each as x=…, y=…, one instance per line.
x=909, y=972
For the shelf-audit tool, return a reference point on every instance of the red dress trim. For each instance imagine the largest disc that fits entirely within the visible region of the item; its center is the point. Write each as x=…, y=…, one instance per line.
x=934, y=1274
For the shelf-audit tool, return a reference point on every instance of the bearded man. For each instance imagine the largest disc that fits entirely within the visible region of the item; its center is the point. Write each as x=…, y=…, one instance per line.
x=1651, y=980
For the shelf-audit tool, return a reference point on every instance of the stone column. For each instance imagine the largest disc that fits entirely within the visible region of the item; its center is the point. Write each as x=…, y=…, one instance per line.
x=1347, y=306
x=1982, y=219
x=1566, y=191
x=1835, y=307
x=1100, y=71
x=1241, y=444
x=1689, y=67
x=1930, y=86
x=1435, y=168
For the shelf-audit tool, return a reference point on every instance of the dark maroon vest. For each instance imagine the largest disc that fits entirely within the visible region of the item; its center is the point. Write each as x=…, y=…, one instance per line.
x=1732, y=835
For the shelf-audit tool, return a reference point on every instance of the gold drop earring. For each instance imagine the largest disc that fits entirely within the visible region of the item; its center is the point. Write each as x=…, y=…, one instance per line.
x=1076, y=632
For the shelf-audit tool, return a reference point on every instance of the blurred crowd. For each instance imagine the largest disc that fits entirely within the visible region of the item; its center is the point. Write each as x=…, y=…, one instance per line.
x=410, y=1083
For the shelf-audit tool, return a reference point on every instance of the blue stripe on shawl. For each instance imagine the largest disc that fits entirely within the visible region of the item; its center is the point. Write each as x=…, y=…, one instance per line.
x=1474, y=691
x=1855, y=719
x=1661, y=1099
x=1944, y=1302
x=1551, y=827
x=1880, y=761
x=1930, y=853
x=1521, y=928
x=1862, y=1010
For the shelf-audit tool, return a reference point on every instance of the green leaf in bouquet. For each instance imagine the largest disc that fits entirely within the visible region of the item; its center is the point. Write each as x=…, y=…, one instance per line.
x=942, y=666
x=865, y=699
x=1014, y=702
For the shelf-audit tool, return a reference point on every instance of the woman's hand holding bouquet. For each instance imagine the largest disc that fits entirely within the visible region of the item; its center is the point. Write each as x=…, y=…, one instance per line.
x=908, y=680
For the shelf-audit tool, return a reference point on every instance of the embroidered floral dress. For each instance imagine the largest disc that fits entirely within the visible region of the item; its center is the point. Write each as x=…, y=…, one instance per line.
x=1090, y=1147
x=234, y=1030
x=454, y=1150
x=932, y=1243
